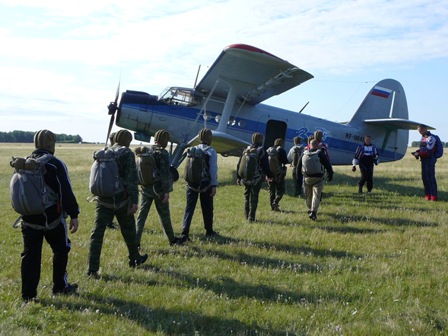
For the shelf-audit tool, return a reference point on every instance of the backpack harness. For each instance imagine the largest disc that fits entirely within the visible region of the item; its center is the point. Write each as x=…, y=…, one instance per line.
x=30, y=194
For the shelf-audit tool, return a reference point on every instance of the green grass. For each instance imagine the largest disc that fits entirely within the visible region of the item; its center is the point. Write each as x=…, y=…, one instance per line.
x=371, y=265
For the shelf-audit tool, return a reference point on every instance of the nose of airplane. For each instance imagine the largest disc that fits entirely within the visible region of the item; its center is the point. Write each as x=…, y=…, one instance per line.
x=135, y=110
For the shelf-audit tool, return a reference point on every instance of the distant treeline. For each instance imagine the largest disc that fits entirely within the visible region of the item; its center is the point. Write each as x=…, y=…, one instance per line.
x=28, y=137
x=24, y=136
x=417, y=144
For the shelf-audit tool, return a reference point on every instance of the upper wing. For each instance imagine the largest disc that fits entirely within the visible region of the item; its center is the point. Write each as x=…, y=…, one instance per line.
x=257, y=75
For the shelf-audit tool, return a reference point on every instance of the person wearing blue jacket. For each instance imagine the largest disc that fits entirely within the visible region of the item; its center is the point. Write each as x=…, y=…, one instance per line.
x=35, y=227
x=426, y=154
x=366, y=156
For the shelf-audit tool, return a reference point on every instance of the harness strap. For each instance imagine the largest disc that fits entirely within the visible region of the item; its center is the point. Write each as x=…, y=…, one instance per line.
x=48, y=226
x=200, y=190
x=108, y=205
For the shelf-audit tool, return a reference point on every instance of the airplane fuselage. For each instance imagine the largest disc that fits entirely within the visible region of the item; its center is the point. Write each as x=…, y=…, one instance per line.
x=146, y=114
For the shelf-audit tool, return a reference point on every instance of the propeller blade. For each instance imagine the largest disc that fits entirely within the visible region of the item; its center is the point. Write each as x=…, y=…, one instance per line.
x=112, y=108
x=111, y=123
x=118, y=93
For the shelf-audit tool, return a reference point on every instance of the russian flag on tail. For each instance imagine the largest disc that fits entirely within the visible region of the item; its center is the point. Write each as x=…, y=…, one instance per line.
x=381, y=92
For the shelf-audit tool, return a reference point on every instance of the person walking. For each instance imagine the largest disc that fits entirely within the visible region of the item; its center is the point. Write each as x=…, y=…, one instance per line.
x=112, y=225
x=159, y=192
x=205, y=190
x=312, y=164
x=51, y=225
x=426, y=154
x=319, y=135
x=294, y=155
x=252, y=181
x=123, y=206
x=366, y=156
x=277, y=182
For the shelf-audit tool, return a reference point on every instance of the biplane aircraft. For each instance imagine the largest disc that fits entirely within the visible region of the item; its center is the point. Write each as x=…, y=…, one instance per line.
x=228, y=100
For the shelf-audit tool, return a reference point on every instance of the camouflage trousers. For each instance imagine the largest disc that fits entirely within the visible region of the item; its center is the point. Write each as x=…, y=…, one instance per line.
x=298, y=181
x=251, y=193
x=104, y=216
x=163, y=209
x=277, y=190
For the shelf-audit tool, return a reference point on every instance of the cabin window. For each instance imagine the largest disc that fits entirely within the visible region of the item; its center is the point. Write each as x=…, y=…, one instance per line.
x=180, y=96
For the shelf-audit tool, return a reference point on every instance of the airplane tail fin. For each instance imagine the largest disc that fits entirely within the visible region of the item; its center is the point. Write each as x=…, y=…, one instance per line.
x=384, y=115
x=385, y=100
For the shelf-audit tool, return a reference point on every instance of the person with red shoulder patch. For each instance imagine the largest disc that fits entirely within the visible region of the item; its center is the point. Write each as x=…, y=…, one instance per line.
x=427, y=155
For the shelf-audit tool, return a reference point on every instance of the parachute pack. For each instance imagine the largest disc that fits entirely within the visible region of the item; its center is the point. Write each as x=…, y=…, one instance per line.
x=274, y=163
x=438, y=152
x=105, y=180
x=30, y=195
x=248, y=168
x=297, y=151
x=196, y=168
x=311, y=163
x=146, y=166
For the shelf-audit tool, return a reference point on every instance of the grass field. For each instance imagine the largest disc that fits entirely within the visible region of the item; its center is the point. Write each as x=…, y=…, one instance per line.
x=371, y=265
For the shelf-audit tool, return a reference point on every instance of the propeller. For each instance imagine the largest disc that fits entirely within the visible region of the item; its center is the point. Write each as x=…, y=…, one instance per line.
x=112, y=108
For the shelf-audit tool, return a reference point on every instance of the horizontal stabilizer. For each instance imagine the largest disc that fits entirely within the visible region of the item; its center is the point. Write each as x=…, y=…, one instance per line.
x=396, y=123
x=224, y=143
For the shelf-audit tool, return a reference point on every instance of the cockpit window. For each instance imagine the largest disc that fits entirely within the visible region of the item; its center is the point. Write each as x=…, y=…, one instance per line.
x=180, y=96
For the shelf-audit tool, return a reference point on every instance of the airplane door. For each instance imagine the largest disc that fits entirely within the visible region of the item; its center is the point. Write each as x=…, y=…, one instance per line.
x=274, y=129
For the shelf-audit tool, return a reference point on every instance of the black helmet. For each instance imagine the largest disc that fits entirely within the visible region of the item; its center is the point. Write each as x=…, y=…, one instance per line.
x=45, y=139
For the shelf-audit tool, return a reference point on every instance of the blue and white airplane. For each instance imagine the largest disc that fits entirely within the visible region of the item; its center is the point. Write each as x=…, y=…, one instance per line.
x=228, y=100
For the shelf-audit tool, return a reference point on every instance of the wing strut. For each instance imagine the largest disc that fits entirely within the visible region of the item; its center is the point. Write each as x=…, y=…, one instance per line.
x=203, y=112
x=228, y=106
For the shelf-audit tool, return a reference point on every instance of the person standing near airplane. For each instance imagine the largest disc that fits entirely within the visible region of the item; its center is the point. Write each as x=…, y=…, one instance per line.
x=206, y=191
x=312, y=164
x=294, y=155
x=51, y=225
x=277, y=182
x=366, y=156
x=252, y=184
x=159, y=192
x=122, y=205
x=426, y=153
x=112, y=225
x=318, y=135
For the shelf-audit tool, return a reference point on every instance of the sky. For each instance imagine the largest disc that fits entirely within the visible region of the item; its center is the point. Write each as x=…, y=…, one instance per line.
x=61, y=61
